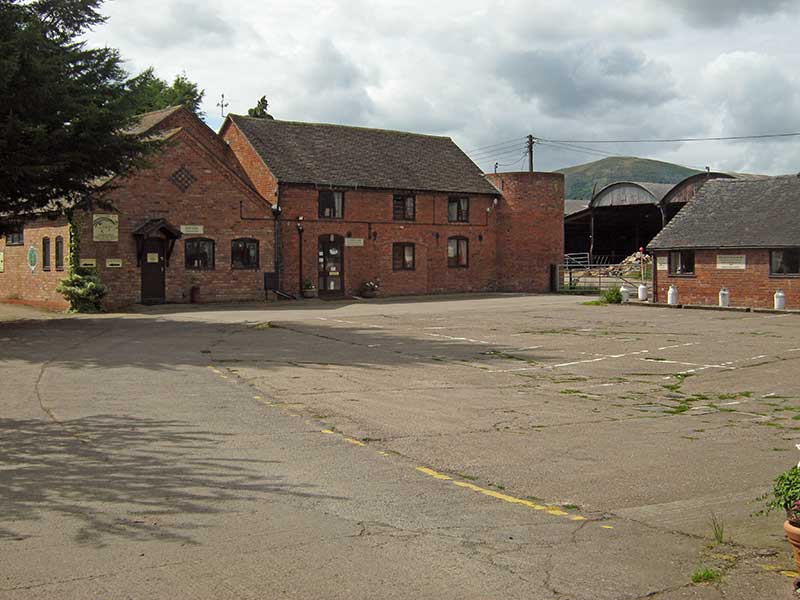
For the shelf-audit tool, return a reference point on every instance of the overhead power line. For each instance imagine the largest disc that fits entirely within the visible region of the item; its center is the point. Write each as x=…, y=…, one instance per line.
x=495, y=151
x=673, y=140
x=592, y=152
x=520, y=139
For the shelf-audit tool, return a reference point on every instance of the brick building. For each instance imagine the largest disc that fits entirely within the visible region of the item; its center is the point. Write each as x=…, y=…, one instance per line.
x=190, y=223
x=352, y=205
x=742, y=234
x=412, y=211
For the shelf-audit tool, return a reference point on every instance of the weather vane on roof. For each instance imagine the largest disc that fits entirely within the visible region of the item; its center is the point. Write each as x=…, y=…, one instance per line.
x=222, y=105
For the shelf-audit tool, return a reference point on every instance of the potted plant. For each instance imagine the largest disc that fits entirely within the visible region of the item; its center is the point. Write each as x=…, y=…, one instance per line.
x=309, y=289
x=785, y=494
x=370, y=288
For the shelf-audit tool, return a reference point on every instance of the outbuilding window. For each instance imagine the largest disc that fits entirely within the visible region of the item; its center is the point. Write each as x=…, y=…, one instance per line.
x=200, y=254
x=45, y=254
x=331, y=204
x=59, y=253
x=458, y=252
x=681, y=262
x=404, y=207
x=458, y=210
x=244, y=254
x=403, y=257
x=785, y=262
x=15, y=238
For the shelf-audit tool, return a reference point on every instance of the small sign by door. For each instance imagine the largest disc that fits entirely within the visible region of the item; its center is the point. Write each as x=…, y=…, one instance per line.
x=152, y=257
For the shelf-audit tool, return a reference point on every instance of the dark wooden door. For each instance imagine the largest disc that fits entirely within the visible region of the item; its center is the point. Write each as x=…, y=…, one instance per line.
x=331, y=265
x=153, y=271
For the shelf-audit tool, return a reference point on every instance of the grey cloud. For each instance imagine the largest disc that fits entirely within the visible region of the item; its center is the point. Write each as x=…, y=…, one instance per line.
x=331, y=87
x=721, y=13
x=752, y=94
x=586, y=78
x=183, y=23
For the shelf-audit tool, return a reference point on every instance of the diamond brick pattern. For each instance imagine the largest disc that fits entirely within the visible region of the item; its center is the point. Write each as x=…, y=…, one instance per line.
x=182, y=178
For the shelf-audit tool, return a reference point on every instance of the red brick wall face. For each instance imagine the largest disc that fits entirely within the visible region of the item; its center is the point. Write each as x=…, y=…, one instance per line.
x=530, y=229
x=368, y=213
x=203, y=134
x=752, y=286
x=224, y=205
x=213, y=201
x=258, y=173
x=18, y=282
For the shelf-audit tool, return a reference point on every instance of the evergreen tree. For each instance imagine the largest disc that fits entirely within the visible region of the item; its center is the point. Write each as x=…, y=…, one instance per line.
x=63, y=108
x=147, y=92
x=260, y=109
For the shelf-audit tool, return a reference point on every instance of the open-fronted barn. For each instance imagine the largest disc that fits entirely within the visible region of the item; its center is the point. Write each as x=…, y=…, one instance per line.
x=624, y=216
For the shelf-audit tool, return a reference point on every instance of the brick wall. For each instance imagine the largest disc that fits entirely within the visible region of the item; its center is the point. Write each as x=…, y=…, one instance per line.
x=18, y=282
x=219, y=200
x=252, y=164
x=530, y=229
x=753, y=286
x=368, y=216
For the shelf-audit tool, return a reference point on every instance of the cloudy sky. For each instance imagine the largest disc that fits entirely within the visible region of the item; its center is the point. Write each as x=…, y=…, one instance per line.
x=489, y=73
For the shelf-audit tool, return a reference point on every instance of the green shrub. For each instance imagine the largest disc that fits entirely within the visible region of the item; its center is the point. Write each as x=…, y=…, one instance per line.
x=83, y=290
x=612, y=296
x=785, y=494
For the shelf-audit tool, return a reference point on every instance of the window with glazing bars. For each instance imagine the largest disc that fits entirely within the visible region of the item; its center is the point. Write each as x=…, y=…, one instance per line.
x=403, y=257
x=457, y=252
x=404, y=207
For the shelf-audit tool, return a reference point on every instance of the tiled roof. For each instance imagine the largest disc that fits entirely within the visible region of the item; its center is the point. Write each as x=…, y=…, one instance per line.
x=737, y=213
x=146, y=121
x=338, y=155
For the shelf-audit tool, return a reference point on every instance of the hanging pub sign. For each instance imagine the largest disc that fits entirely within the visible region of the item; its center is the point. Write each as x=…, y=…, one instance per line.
x=105, y=228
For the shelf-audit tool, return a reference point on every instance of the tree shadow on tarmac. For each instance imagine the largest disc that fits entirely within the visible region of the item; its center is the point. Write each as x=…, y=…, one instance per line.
x=123, y=477
x=164, y=345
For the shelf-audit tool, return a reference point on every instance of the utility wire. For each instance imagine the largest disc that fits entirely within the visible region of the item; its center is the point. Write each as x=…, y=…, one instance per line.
x=522, y=139
x=592, y=152
x=512, y=163
x=493, y=152
x=673, y=140
x=498, y=154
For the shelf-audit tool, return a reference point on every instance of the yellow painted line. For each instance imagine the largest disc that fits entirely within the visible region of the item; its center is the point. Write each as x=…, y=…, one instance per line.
x=257, y=398
x=354, y=442
x=577, y=518
x=328, y=431
x=606, y=526
x=789, y=573
x=430, y=472
x=383, y=453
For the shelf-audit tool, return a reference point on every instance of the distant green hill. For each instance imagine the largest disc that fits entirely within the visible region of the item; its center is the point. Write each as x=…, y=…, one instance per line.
x=581, y=179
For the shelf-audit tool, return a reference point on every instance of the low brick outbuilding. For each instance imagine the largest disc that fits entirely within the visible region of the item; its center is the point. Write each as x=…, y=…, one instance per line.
x=191, y=224
x=740, y=234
